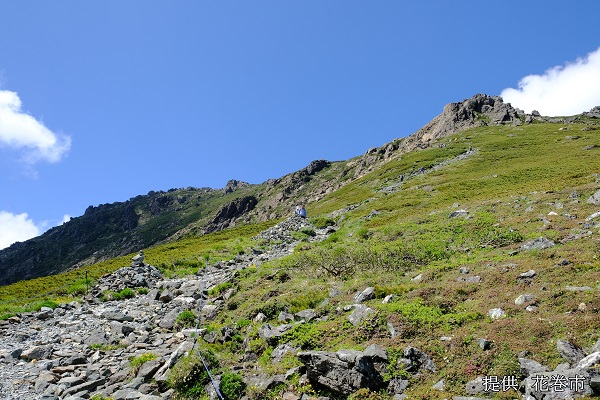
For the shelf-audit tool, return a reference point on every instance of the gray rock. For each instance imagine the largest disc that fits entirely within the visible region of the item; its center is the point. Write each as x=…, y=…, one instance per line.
x=530, y=367
x=527, y=275
x=306, y=315
x=595, y=384
x=366, y=294
x=116, y=315
x=570, y=352
x=397, y=385
x=525, y=298
x=484, y=344
x=281, y=350
x=392, y=330
x=594, y=199
x=45, y=313
x=168, y=321
x=166, y=296
x=211, y=337
x=151, y=397
x=359, y=314
x=97, y=336
x=388, y=299
x=589, y=361
x=260, y=317
x=210, y=311
x=377, y=353
x=440, y=385
x=469, y=279
x=268, y=332
x=37, y=353
x=538, y=244
x=79, y=359
x=458, y=213
x=417, y=360
x=285, y=317
x=476, y=386
x=496, y=313
x=578, y=288
x=343, y=372
x=84, y=387
x=126, y=394
x=148, y=369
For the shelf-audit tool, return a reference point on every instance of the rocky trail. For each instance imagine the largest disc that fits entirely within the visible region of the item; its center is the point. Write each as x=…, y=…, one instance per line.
x=78, y=350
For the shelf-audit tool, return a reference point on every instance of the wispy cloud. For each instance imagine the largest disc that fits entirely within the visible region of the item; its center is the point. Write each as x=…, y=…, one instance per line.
x=563, y=90
x=16, y=228
x=22, y=132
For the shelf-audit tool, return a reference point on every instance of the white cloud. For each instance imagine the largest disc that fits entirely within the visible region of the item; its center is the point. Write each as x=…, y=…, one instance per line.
x=16, y=228
x=21, y=131
x=561, y=91
x=66, y=218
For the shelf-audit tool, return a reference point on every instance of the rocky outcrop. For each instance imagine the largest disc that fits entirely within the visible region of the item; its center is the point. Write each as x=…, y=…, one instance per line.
x=233, y=185
x=346, y=371
x=593, y=113
x=227, y=215
x=479, y=110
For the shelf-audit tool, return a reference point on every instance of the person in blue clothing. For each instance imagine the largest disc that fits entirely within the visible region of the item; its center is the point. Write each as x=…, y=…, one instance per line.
x=302, y=211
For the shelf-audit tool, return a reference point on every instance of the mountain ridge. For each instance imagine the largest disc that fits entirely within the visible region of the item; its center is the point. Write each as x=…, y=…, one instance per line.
x=111, y=230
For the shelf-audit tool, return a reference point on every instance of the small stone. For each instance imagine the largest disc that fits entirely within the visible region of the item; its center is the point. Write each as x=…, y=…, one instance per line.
x=440, y=385
x=388, y=299
x=525, y=298
x=484, y=344
x=496, y=313
x=529, y=274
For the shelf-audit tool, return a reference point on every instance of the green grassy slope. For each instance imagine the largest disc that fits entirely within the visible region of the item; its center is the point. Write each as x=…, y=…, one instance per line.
x=517, y=183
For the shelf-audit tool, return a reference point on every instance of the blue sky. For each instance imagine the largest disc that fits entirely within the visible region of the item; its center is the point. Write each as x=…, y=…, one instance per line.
x=103, y=101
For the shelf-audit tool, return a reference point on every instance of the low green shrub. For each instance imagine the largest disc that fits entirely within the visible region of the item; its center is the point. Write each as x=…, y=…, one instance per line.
x=189, y=377
x=232, y=386
x=185, y=319
x=137, y=362
x=217, y=290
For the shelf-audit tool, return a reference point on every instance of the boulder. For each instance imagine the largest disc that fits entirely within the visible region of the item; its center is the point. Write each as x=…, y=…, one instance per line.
x=415, y=360
x=594, y=199
x=268, y=332
x=345, y=371
x=570, y=352
x=366, y=294
x=306, y=315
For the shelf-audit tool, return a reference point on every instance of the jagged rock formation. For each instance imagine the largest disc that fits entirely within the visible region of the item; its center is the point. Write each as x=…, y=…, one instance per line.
x=230, y=212
x=593, y=113
x=480, y=110
x=233, y=185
